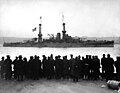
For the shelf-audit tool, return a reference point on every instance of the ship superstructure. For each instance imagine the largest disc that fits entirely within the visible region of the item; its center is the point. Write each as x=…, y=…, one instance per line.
x=60, y=40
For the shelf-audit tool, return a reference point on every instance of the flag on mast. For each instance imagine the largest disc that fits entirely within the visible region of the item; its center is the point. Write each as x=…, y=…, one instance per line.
x=34, y=29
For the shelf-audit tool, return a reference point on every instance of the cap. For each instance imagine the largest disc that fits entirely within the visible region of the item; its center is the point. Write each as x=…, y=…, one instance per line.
x=20, y=56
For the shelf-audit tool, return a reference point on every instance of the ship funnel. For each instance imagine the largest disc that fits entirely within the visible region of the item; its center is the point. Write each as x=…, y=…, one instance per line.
x=40, y=34
x=64, y=31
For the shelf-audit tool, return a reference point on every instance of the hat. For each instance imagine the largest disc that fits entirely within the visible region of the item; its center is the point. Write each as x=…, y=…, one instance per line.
x=8, y=56
x=108, y=55
x=59, y=56
x=56, y=56
x=20, y=56
x=103, y=54
x=43, y=55
x=2, y=58
x=35, y=56
x=118, y=57
x=31, y=57
x=71, y=54
x=65, y=56
x=51, y=55
x=79, y=56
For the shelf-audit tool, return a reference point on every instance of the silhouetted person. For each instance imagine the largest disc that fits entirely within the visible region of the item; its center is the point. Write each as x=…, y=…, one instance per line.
x=49, y=68
x=104, y=65
x=25, y=66
x=90, y=67
x=86, y=67
x=15, y=67
x=65, y=68
x=58, y=67
x=2, y=67
x=29, y=68
x=71, y=63
x=61, y=66
x=96, y=67
x=20, y=68
x=75, y=71
x=81, y=67
x=45, y=69
x=40, y=69
x=109, y=68
x=117, y=65
x=36, y=68
x=8, y=68
x=52, y=66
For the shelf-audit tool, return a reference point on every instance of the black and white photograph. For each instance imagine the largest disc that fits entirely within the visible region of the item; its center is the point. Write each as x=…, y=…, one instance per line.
x=59, y=46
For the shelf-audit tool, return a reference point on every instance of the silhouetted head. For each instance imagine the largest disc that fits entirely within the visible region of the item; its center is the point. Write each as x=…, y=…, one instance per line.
x=118, y=57
x=2, y=58
x=89, y=56
x=86, y=56
x=93, y=57
x=103, y=55
x=59, y=56
x=56, y=57
x=71, y=55
x=31, y=57
x=83, y=58
x=48, y=58
x=76, y=58
x=20, y=56
x=25, y=59
x=16, y=57
x=66, y=57
x=8, y=56
x=96, y=56
x=35, y=56
x=51, y=55
x=38, y=57
x=108, y=55
x=43, y=56
x=79, y=56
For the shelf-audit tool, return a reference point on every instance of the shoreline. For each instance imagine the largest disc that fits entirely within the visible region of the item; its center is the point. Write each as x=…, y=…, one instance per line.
x=53, y=86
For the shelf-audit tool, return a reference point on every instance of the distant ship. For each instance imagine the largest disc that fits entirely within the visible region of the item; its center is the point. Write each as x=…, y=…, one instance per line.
x=63, y=41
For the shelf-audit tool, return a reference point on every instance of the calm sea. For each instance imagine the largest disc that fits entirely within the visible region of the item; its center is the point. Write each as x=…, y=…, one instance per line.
x=28, y=51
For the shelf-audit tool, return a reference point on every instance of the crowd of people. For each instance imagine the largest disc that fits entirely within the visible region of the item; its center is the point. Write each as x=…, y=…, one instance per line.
x=75, y=68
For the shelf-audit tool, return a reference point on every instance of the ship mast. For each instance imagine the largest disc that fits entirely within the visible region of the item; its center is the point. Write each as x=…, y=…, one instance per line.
x=64, y=31
x=40, y=34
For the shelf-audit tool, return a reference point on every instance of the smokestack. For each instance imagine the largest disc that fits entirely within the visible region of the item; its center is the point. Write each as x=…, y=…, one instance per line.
x=40, y=34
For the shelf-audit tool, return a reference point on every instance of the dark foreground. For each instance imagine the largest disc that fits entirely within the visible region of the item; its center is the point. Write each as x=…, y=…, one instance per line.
x=53, y=86
x=51, y=75
x=75, y=68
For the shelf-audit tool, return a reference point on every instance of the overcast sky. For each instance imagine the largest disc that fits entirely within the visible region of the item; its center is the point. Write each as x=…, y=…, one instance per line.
x=82, y=17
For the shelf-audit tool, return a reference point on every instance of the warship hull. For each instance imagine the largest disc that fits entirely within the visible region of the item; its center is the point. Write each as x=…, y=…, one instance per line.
x=65, y=41
x=62, y=45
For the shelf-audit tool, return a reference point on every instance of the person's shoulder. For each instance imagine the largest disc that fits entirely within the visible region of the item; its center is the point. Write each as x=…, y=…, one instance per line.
x=111, y=58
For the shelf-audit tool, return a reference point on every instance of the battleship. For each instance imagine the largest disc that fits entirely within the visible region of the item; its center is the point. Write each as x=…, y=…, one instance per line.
x=60, y=40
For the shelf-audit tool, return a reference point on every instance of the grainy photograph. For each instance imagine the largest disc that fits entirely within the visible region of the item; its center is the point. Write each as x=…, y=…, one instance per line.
x=59, y=46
